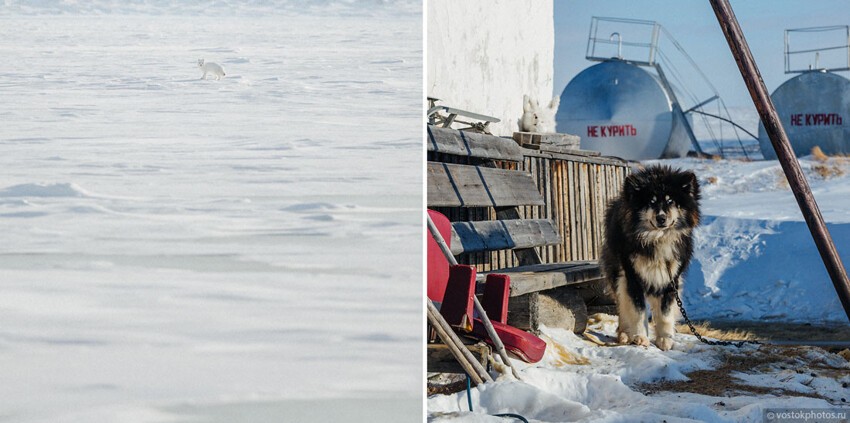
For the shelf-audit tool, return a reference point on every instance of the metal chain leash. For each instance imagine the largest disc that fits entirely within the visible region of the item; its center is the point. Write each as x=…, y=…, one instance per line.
x=737, y=344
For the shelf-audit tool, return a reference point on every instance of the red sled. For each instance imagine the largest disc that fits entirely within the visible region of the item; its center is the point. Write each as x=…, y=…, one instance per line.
x=454, y=286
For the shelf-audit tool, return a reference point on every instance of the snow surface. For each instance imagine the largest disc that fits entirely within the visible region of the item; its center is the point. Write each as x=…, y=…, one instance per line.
x=578, y=381
x=174, y=248
x=754, y=256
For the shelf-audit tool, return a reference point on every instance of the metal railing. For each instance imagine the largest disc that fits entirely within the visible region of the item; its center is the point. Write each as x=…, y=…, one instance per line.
x=629, y=34
x=840, y=59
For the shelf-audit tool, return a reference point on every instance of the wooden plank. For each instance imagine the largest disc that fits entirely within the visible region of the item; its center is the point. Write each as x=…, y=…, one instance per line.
x=583, y=158
x=549, y=267
x=502, y=235
x=560, y=150
x=548, y=148
x=560, y=141
x=585, y=205
x=441, y=360
x=451, y=185
x=591, y=192
x=546, y=249
x=605, y=191
x=561, y=217
x=471, y=144
x=596, y=225
x=533, y=278
x=577, y=155
x=573, y=216
x=524, y=256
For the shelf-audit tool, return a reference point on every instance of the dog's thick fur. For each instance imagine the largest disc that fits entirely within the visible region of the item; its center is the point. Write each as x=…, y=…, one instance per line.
x=648, y=244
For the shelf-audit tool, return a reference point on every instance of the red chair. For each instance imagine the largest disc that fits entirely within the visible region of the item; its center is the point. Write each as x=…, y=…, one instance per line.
x=454, y=286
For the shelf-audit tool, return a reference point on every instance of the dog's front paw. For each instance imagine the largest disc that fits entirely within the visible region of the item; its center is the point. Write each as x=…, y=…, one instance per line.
x=664, y=343
x=640, y=340
x=622, y=338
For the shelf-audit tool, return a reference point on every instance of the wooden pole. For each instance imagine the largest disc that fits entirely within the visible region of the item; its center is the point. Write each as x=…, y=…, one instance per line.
x=488, y=325
x=779, y=139
x=472, y=367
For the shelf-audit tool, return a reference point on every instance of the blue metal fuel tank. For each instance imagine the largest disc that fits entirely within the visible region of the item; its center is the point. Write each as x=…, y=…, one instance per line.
x=620, y=109
x=814, y=108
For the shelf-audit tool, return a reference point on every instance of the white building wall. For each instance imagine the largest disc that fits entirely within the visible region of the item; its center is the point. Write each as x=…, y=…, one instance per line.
x=484, y=55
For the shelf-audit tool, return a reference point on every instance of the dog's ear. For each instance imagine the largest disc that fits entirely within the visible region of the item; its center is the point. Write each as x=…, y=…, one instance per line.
x=690, y=184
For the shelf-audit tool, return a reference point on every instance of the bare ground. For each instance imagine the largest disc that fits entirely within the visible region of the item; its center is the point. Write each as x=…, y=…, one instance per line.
x=721, y=381
x=838, y=335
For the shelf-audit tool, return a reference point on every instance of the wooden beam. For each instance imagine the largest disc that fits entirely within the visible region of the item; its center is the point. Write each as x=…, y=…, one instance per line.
x=524, y=256
x=441, y=360
x=502, y=235
x=453, y=185
x=471, y=144
x=784, y=152
x=557, y=308
x=539, y=277
x=578, y=156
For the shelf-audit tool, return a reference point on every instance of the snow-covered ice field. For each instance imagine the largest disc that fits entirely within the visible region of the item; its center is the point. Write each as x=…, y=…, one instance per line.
x=177, y=249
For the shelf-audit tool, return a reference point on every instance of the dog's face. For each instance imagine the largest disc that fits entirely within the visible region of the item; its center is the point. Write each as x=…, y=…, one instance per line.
x=662, y=199
x=660, y=213
x=200, y=63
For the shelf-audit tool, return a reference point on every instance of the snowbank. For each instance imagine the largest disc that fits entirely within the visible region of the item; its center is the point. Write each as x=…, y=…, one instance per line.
x=754, y=256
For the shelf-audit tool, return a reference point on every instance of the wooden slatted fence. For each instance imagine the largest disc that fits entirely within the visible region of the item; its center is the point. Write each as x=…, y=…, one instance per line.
x=576, y=190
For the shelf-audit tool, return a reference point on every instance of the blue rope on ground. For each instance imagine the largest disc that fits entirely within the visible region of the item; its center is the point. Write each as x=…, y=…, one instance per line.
x=512, y=415
x=469, y=402
x=469, y=392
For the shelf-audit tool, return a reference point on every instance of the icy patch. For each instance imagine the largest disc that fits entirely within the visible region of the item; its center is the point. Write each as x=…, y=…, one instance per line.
x=311, y=207
x=44, y=190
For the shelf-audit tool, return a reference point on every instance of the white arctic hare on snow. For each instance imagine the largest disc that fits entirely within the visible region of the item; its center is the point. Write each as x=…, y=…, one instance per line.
x=212, y=68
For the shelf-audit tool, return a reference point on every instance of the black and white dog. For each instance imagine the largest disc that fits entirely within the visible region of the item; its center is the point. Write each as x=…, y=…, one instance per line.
x=648, y=245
